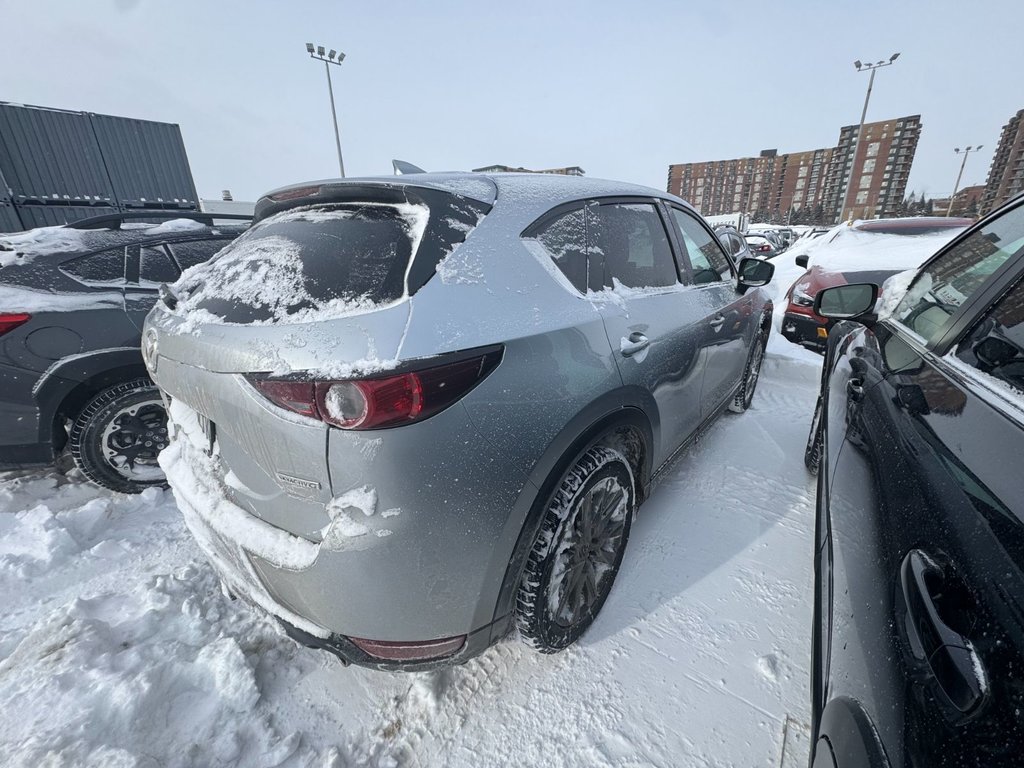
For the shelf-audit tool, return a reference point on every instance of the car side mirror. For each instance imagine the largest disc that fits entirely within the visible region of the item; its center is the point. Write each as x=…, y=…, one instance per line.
x=754, y=273
x=847, y=302
x=801, y=260
x=994, y=352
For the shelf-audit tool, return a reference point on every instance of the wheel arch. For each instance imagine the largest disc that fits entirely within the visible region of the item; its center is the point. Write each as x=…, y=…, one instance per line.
x=628, y=429
x=71, y=383
x=851, y=735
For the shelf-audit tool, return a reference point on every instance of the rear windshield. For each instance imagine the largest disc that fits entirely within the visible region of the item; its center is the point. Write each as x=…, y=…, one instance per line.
x=308, y=263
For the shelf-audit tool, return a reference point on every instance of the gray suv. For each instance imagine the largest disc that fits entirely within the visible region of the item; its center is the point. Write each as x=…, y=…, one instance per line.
x=410, y=414
x=72, y=303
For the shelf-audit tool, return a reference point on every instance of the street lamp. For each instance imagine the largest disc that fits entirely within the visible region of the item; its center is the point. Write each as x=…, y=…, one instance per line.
x=965, y=153
x=334, y=57
x=861, y=67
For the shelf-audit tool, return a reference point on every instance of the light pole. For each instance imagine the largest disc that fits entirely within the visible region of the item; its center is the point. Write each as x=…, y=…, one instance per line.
x=328, y=59
x=853, y=160
x=965, y=152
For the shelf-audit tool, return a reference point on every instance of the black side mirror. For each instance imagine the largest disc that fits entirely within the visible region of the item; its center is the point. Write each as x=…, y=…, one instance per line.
x=846, y=302
x=801, y=260
x=754, y=273
x=994, y=352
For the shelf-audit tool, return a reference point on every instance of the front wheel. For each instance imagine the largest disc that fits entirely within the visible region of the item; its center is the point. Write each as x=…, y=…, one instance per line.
x=577, y=553
x=745, y=394
x=117, y=436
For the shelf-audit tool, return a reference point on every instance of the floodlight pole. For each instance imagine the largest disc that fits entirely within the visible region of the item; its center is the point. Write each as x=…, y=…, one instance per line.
x=966, y=152
x=328, y=60
x=864, y=113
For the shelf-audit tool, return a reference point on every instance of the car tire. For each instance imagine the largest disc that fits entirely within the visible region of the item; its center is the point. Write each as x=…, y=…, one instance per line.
x=815, y=440
x=116, y=437
x=745, y=394
x=578, y=550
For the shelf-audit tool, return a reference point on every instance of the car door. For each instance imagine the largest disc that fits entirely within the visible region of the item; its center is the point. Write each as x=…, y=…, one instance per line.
x=728, y=325
x=651, y=318
x=926, y=512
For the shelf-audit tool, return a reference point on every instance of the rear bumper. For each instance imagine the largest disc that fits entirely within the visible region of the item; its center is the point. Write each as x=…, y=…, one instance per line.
x=21, y=444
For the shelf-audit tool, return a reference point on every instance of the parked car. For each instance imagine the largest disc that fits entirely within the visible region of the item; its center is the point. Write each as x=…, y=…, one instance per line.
x=734, y=243
x=918, y=641
x=854, y=255
x=72, y=302
x=415, y=412
x=761, y=246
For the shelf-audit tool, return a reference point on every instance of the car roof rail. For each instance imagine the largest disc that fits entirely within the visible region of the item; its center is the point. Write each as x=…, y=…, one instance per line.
x=115, y=220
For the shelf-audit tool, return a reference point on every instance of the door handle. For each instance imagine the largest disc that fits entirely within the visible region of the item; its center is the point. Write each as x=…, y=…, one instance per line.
x=855, y=389
x=636, y=342
x=938, y=649
x=718, y=322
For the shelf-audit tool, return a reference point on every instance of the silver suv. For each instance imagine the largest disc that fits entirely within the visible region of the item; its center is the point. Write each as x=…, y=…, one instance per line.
x=411, y=413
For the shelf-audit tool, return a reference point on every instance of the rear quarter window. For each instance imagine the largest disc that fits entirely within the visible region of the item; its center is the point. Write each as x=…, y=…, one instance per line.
x=103, y=268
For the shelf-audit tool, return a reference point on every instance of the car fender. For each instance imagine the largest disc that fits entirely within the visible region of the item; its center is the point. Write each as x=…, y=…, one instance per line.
x=98, y=368
x=850, y=735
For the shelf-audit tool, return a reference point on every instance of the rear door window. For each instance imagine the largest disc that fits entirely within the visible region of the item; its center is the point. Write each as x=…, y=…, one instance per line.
x=951, y=280
x=156, y=267
x=103, y=268
x=627, y=242
x=195, y=252
x=564, y=239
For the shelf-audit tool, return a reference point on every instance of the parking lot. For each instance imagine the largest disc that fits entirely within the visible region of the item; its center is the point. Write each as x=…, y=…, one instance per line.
x=119, y=648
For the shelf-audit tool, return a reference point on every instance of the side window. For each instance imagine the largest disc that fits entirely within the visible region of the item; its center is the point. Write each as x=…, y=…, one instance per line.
x=627, y=242
x=105, y=267
x=709, y=262
x=156, y=267
x=946, y=284
x=196, y=252
x=737, y=243
x=996, y=345
x=565, y=241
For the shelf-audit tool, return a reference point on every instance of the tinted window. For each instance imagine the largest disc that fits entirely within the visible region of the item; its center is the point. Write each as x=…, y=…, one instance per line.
x=302, y=259
x=996, y=345
x=708, y=260
x=155, y=266
x=103, y=267
x=565, y=238
x=947, y=283
x=627, y=242
x=189, y=254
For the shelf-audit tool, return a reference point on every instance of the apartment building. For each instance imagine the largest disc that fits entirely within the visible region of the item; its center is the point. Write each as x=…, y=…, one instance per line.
x=1006, y=174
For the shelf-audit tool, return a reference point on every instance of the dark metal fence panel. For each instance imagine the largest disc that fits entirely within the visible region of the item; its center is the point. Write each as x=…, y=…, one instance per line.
x=147, y=162
x=50, y=156
x=51, y=215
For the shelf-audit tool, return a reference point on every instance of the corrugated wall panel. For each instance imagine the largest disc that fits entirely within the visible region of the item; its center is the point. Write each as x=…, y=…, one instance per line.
x=51, y=156
x=9, y=221
x=146, y=161
x=33, y=216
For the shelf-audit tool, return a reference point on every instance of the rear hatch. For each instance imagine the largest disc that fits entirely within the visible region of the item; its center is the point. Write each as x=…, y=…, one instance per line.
x=313, y=293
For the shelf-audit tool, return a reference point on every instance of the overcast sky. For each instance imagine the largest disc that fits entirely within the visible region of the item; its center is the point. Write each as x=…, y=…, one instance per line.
x=622, y=89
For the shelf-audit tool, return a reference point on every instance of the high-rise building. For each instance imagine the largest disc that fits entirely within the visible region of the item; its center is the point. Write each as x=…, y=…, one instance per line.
x=1006, y=174
x=772, y=185
x=881, y=169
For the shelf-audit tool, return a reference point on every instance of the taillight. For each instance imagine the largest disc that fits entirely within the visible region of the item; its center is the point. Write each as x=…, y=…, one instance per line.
x=11, y=320
x=380, y=401
x=764, y=248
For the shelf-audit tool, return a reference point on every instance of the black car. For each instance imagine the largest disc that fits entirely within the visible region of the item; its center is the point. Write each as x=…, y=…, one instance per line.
x=734, y=243
x=72, y=303
x=918, y=442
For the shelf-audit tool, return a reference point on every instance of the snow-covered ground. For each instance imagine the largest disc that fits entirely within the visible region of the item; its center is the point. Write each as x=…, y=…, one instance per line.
x=118, y=648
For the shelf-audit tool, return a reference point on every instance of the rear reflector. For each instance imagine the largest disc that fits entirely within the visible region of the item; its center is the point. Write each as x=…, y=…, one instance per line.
x=11, y=320
x=407, y=651
x=822, y=333
x=293, y=194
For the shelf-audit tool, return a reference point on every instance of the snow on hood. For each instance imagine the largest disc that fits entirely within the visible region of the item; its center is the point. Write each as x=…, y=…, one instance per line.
x=855, y=251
